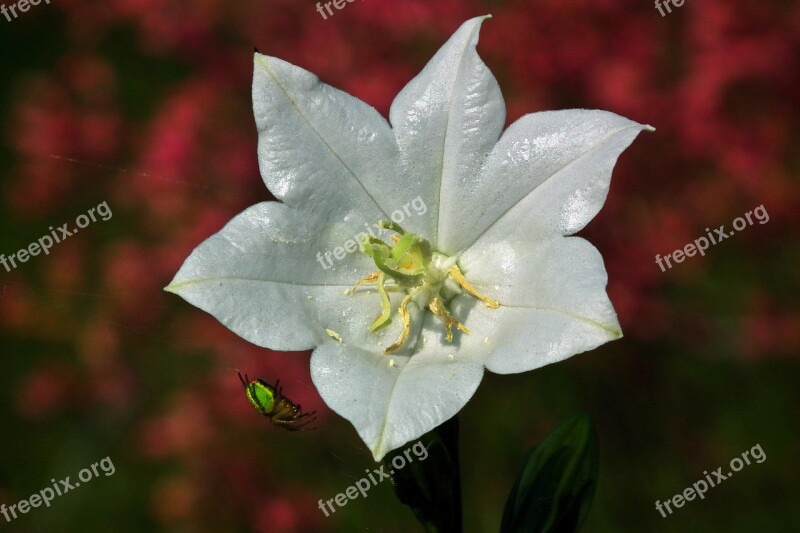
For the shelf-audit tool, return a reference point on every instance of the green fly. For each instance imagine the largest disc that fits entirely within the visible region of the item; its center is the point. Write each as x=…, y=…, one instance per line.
x=270, y=402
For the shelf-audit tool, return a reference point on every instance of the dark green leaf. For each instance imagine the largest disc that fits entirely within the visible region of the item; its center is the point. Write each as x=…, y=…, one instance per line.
x=555, y=488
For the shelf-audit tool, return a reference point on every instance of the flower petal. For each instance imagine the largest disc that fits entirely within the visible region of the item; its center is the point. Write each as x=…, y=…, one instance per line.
x=446, y=120
x=548, y=175
x=259, y=277
x=553, y=305
x=320, y=148
x=392, y=405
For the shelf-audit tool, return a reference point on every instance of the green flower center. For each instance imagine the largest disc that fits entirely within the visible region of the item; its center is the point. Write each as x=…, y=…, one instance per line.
x=427, y=277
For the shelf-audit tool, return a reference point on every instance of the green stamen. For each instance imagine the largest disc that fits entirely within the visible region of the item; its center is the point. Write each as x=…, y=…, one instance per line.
x=386, y=307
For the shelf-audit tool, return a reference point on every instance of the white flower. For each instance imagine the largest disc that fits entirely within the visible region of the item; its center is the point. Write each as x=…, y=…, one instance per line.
x=499, y=208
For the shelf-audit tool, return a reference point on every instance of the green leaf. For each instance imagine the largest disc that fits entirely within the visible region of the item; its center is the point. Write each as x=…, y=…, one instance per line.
x=431, y=487
x=555, y=488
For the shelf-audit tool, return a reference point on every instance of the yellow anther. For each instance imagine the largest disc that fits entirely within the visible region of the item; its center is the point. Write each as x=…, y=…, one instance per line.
x=405, y=316
x=395, y=239
x=332, y=334
x=372, y=278
x=459, y=277
x=437, y=308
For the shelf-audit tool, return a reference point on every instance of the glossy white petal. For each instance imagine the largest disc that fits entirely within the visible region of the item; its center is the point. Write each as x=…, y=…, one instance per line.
x=393, y=405
x=553, y=305
x=319, y=148
x=278, y=274
x=548, y=175
x=447, y=120
x=259, y=277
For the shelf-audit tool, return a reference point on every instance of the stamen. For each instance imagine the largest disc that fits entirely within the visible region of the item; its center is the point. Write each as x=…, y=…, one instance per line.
x=386, y=307
x=406, y=318
x=437, y=308
x=409, y=263
x=372, y=278
x=459, y=277
x=332, y=334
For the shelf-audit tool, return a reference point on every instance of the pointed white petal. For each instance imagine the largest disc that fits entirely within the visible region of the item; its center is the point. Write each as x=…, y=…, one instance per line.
x=447, y=120
x=553, y=305
x=320, y=148
x=392, y=405
x=265, y=277
x=548, y=175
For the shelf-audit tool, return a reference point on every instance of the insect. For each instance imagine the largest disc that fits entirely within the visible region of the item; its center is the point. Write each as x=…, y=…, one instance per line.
x=270, y=402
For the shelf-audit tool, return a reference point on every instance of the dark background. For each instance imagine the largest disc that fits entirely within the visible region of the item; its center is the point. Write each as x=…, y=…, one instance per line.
x=145, y=104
